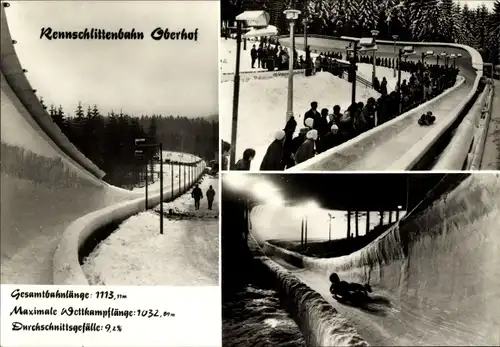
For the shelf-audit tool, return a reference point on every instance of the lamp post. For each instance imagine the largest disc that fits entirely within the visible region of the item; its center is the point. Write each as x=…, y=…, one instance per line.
x=291, y=16
x=236, y=95
x=330, y=217
x=399, y=80
x=305, y=22
x=180, y=164
x=185, y=183
x=442, y=55
x=406, y=51
x=374, y=34
x=250, y=21
x=395, y=37
x=171, y=176
x=353, y=70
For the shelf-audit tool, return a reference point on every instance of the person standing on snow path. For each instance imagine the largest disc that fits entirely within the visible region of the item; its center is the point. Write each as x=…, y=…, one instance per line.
x=273, y=159
x=197, y=195
x=210, y=197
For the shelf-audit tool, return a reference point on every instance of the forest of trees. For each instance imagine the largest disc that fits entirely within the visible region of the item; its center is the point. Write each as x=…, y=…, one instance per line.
x=413, y=20
x=108, y=140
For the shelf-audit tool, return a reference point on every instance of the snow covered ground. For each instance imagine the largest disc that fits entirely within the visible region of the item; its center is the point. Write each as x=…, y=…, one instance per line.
x=186, y=254
x=365, y=71
x=262, y=107
x=227, y=52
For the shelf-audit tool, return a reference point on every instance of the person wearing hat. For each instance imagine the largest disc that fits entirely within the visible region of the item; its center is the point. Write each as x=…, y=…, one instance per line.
x=244, y=163
x=306, y=150
x=309, y=123
x=299, y=139
x=289, y=129
x=331, y=139
x=312, y=113
x=273, y=159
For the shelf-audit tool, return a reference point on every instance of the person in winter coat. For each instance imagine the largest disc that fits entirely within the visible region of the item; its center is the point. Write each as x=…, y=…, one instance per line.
x=245, y=163
x=322, y=129
x=226, y=148
x=368, y=113
x=376, y=84
x=290, y=127
x=312, y=113
x=336, y=116
x=332, y=138
x=306, y=150
x=210, y=197
x=299, y=140
x=253, y=55
x=197, y=195
x=273, y=160
x=383, y=86
x=309, y=123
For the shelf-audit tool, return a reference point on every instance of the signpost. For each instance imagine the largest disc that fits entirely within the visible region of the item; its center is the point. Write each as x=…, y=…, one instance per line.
x=140, y=143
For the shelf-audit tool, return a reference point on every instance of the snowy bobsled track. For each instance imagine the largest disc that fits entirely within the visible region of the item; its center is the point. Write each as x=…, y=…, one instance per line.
x=386, y=150
x=435, y=277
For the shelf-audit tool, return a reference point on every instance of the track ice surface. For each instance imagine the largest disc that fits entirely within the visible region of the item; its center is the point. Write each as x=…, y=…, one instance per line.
x=137, y=254
x=446, y=292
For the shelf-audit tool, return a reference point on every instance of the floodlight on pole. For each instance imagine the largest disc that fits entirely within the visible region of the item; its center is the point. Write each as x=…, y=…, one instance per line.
x=264, y=190
x=291, y=16
x=257, y=19
x=236, y=180
x=374, y=34
x=405, y=51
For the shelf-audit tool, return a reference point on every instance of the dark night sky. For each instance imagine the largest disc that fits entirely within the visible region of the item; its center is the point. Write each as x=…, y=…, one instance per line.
x=354, y=191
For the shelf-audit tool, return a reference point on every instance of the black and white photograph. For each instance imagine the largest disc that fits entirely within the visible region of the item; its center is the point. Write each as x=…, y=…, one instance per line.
x=110, y=144
x=351, y=85
x=381, y=259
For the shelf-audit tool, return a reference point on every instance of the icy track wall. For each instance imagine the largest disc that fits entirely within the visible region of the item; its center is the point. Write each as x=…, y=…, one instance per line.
x=67, y=268
x=442, y=261
x=367, y=139
x=13, y=72
x=42, y=191
x=319, y=322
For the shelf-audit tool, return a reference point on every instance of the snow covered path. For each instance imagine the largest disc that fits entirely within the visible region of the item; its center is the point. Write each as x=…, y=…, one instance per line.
x=186, y=254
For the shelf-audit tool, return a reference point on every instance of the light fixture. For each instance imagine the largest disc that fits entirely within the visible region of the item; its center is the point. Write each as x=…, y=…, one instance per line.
x=236, y=180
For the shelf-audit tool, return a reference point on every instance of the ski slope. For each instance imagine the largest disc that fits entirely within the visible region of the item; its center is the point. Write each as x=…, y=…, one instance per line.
x=43, y=189
x=435, y=277
x=386, y=150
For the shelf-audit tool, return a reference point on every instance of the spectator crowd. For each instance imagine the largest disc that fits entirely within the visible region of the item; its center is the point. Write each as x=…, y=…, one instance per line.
x=322, y=129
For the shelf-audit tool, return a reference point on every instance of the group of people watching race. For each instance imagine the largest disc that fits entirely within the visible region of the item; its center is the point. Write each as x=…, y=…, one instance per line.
x=323, y=130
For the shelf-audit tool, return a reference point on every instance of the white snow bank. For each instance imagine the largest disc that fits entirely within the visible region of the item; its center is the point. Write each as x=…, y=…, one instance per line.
x=318, y=321
x=227, y=53
x=365, y=71
x=262, y=107
x=66, y=266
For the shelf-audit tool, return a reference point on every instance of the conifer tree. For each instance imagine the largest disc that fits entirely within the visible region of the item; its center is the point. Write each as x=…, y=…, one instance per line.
x=493, y=34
